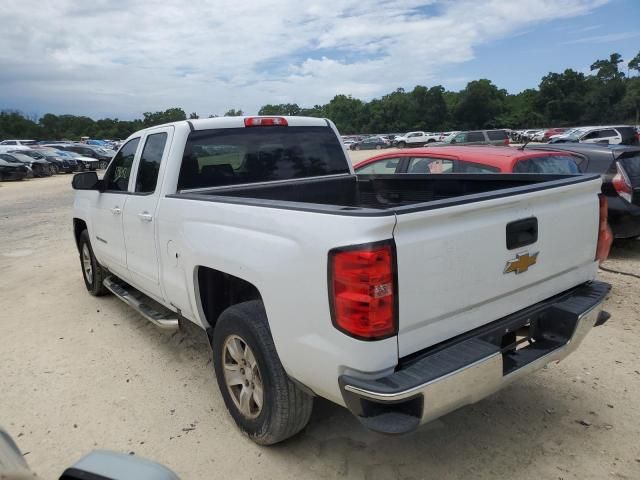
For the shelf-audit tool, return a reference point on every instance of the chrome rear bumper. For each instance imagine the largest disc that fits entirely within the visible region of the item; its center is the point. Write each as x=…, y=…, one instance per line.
x=468, y=369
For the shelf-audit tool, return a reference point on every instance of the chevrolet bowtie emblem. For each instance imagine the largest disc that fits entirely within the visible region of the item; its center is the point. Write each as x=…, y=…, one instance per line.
x=521, y=263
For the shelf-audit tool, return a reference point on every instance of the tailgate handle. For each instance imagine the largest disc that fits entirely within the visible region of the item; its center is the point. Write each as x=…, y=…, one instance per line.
x=521, y=233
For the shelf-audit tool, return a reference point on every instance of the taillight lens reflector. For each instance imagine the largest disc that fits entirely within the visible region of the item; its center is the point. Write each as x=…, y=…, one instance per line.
x=605, y=236
x=622, y=184
x=265, y=122
x=363, y=291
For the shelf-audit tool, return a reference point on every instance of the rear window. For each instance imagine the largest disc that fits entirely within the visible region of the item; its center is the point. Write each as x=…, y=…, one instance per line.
x=550, y=164
x=497, y=135
x=631, y=165
x=629, y=135
x=231, y=156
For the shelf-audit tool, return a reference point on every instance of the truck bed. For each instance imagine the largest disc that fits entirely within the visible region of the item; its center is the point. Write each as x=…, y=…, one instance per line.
x=382, y=194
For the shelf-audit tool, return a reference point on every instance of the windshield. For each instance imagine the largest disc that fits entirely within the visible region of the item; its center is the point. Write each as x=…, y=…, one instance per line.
x=22, y=158
x=9, y=158
x=449, y=137
x=246, y=155
x=575, y=134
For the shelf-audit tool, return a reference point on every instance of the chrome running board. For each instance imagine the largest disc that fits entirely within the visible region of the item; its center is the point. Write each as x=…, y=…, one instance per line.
x=157, y=314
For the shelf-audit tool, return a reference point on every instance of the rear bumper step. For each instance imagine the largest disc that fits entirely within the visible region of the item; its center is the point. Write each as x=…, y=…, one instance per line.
x=471, y=367
x=157, y=314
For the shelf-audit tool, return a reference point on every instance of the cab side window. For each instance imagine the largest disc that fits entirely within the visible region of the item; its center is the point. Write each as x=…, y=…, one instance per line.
x=475, y=137
x=430, y=165
x=116, y=179
x=149, y=167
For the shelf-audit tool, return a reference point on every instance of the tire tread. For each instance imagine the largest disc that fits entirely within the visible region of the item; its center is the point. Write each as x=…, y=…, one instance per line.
x=291, y=406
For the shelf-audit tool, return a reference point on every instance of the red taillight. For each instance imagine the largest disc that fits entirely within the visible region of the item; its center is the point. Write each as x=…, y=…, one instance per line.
x=605, y=236
x=363, y=291
x=265, y=122
x=622, y=184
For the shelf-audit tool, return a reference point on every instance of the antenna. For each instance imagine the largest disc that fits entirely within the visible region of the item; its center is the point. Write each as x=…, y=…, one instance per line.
x=526, y=142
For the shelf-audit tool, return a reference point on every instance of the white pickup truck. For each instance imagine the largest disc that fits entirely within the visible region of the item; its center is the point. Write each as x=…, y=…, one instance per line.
x=400, y=297
x=416, y=139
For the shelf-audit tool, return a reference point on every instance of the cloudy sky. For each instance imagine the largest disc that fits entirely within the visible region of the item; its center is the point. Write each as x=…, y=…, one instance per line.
x=124, y=57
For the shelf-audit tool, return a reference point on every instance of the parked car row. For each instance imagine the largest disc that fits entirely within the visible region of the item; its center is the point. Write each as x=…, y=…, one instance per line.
x=618, y=165
x=26, y=158
x=609, y=135
x=422, y=139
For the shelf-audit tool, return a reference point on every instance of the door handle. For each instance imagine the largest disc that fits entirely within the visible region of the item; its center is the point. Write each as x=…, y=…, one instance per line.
x=116, y=210
x=145, y=216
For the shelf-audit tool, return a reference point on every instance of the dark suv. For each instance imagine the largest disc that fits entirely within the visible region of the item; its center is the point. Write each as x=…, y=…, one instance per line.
x=619, y=166
x=476, y=137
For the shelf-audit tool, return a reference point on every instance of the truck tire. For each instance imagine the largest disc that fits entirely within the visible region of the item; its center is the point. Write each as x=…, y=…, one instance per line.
x=92, y=272
x=265, y=404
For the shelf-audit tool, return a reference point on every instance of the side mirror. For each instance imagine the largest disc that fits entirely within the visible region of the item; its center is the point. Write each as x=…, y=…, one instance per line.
x=86, y=181
x=105, y=465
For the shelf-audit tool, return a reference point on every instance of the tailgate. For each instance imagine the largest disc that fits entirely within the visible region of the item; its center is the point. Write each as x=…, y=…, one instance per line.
x=455, y=272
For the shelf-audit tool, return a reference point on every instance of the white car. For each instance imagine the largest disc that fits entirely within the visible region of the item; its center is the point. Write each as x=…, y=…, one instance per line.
x=12, y=148
x=613, y=135
x=400, y=298
x=538, y=136
x=19, y=143
x=528, y=135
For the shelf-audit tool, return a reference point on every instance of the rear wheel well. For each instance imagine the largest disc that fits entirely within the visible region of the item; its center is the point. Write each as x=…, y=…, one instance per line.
x=219, y=290
x=78, y=227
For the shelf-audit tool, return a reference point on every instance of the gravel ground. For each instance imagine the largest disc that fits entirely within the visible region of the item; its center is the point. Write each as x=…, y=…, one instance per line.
x=80, y=373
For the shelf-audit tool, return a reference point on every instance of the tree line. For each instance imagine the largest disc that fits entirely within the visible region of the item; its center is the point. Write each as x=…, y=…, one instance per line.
x=606, y=95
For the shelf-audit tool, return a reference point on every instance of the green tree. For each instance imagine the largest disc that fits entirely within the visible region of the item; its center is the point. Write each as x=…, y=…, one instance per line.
x=345, y=111
x=233, y=113
x=561, y=97
x=14, y=124
x=481, y=102
x=634, y=63
x=608, y=69
x=280, y=109
x=630, y=104
x=152, y=119
x=520, y=110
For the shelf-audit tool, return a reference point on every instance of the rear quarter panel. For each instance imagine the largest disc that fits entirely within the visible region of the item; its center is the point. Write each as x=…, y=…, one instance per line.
x=284, y=253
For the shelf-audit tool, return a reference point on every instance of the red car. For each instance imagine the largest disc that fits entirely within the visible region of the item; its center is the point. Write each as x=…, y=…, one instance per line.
x=469, y=159
x=552, y=131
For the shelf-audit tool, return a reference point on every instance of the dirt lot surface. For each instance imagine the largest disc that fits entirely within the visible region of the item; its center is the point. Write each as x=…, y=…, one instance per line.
x=79, y=373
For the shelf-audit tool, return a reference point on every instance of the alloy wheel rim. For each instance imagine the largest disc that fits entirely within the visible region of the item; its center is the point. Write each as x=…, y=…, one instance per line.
x=242, y=376
x=87, y=268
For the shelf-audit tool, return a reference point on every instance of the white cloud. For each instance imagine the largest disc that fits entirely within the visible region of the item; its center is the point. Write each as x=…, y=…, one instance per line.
x=121, y=58
x=609, y=37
